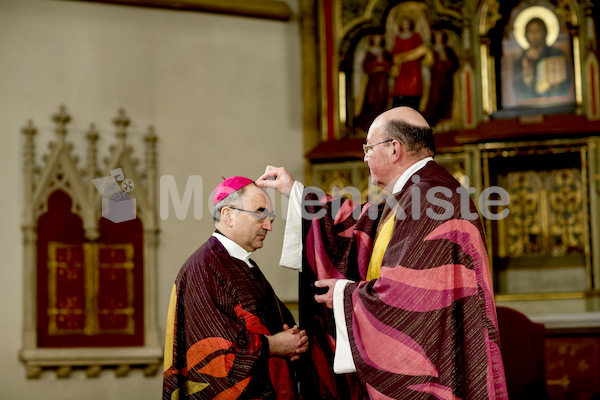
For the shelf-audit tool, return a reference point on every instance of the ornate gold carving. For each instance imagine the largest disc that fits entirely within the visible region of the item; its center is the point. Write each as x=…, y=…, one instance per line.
x=486, y=79
x=328, y=180
x=523, y=232
x=490, y=14
x=565, y=212
x=546, y=213
x=577, y=70
x=347, y=175
x=442, y=9
x=566, y=9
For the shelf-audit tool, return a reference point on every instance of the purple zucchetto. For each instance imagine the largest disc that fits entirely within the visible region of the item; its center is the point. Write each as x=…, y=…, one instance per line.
x=229, y=186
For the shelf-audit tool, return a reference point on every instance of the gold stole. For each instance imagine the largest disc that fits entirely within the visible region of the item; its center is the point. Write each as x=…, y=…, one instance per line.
x=384, y=235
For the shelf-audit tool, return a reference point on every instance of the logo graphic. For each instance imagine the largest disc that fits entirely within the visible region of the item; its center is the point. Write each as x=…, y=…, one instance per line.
x=117, y=205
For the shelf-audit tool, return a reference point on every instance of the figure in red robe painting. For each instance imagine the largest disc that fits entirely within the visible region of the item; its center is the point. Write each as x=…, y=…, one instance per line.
x=376, y=68
x=441, y=91
x=407, y=54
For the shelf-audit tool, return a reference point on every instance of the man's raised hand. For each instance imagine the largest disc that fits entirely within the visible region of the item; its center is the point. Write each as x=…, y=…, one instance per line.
x=277, y=178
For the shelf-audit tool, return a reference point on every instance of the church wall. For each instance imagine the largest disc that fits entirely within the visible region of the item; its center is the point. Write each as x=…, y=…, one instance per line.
x=222, y=92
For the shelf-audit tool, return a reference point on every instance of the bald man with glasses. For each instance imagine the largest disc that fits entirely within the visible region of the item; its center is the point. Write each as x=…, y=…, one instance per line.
x=408, y=280
x=228, y=335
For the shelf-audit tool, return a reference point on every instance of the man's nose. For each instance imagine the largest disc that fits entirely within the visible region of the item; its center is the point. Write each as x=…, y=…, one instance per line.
x=267, y=224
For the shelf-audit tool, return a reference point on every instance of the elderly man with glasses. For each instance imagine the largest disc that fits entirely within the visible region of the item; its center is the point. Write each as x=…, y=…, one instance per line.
x=228, y=335
x=408, y=279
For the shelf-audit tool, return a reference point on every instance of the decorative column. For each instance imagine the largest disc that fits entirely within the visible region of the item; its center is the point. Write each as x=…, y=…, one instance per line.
x=591, y=67
x=29, y=243
x=91, y=213
x=594, y=193
x=488, y=17
x=151, y=243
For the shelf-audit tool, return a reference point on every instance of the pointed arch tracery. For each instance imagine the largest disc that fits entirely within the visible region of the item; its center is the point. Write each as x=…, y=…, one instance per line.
x=88, y=271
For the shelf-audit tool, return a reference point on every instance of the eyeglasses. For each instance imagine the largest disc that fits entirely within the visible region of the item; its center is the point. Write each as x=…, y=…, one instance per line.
x=259, y=215
x=367, y=148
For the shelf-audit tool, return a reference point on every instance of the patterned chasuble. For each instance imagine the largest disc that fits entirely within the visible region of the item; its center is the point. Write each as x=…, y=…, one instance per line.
x=421, y=318
x=215, y=347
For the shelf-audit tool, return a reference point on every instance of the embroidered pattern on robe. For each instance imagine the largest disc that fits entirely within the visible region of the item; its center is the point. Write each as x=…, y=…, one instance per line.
x=215, y=348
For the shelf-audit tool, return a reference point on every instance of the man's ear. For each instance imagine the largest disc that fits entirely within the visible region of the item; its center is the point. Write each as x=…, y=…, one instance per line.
x=227, y=216
x=398, y=151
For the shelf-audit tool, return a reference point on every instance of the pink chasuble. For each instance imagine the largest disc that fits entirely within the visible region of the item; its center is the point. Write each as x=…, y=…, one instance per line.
x=426, y=327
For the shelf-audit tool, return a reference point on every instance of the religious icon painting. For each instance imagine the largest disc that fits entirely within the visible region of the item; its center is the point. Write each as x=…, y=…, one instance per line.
x=407, y=59
x=537, y=59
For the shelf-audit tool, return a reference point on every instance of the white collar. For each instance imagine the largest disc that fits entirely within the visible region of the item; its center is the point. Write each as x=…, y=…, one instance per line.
x=408, y=173
x=234, y=249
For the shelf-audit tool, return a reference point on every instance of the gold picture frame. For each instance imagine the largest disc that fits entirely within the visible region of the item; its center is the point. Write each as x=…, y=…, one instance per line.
x=537, y=60
x=503, y=45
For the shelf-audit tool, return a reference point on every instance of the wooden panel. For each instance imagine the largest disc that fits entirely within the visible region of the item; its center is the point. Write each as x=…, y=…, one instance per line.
x=573, y=367
x=90, y=293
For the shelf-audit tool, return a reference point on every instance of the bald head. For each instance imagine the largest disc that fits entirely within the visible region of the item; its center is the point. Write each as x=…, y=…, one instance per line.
x=410, y=128
x=404, y=114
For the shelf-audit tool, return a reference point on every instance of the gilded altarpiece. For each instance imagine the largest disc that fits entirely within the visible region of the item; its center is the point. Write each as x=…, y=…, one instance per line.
x=542, y=152
x=543, y=248
x=540, y=142
x=369, y=50
x=89, y=279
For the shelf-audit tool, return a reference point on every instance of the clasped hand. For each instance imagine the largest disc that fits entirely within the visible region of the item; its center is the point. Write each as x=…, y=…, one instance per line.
x=291, y=342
